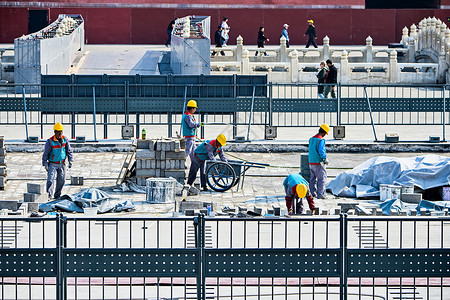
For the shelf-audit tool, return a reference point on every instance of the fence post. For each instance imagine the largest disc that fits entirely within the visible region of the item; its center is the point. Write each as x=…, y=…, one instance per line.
x=343, y=245
x=270, y=104
x=25, y=110
x=60, y=243
x=339, y=100
x=94, y=113
x=444, y=100
x=199, y=230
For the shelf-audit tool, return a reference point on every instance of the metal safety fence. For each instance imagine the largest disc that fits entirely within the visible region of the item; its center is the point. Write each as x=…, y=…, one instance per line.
x=236, y=104
x=312, y=257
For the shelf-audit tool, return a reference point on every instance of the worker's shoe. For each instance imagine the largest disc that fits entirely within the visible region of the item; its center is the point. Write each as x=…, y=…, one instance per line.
x=205, y=189
x=324, y=197
x=291, y=212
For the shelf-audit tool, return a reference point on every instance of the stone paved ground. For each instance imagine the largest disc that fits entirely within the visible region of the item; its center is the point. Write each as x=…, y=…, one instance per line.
x=101, y=169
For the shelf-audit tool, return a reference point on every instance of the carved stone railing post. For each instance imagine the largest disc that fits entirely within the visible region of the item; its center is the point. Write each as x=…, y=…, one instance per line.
x=344, y=68
x=393, y=72
x=405, y=36
x=413, y=38
x=239, y=48
x=369, y=49
x=294, y=66
x=326, y=48
x=245, y=69
x=283, y=50
x=442, y=66
x=412, y=50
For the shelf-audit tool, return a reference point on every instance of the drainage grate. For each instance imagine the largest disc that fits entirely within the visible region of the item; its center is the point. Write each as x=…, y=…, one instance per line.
x=369, y=236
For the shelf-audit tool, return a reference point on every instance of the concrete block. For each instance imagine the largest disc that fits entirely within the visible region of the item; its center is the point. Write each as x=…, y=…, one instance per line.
x=146, y=173
x=80, y=139
x=31, y=197
x=379, y=212
x=152, y=145
x=308, y=212
x=76, y=180
x=177, y=164
x=434, y=139
x=2, y=141
x=316, y=211
x=138, y=163
x=176, y=155
x=2, y=161
x=36, y=188
x=413, y=212
x=189, y=212
x=144, y=153
x=2, y=151
x=158, y=173
x=190, y=204
x=391, y=138
x=141, y=181
x=163, y=164
x=32, y=207
x=324, y=212
x=175, y=173
x=3, y=171
x=33, y=139
x=158, y=145
x=337, y=211
x=163, y=155
x=176, y=145
x=203, y=211
x=143, y=144
x=2, y=181
x=411, y=197
x=158, y=164
x=153, y=164
x=162, y=173
x=9, y=204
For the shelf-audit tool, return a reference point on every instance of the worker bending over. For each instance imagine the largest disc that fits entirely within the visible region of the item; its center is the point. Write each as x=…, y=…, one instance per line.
x=205, y=151
x=296, y=188
x=317, y=161
x=56, y=151
x=189, y=126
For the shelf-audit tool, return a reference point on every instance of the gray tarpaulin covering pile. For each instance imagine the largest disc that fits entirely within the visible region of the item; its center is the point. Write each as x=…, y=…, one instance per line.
x=425, y=172
x=90, y=197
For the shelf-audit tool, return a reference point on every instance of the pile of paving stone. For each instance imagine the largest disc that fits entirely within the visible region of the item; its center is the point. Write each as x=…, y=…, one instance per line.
x=160, y=158
x=2, y=163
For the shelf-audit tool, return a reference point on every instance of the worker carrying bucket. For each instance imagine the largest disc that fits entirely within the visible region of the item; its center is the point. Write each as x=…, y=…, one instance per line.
x=296, y=188
x=205, y=151
x=189, y=126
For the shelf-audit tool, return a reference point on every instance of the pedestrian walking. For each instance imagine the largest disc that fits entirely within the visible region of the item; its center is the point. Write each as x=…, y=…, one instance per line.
x=261, y=40
x=169, y=32
x=56, y=151
x=225, y=31
x=296, y=188
x=330, y=79
x=189, y=126
x=321, y=78
x=218, y=39
x=285, y=34
x=317, y=162
x=311, y=33
x=205, y=151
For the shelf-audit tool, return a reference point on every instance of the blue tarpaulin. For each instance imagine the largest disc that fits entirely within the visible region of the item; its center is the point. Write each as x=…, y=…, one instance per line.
x=425, y=172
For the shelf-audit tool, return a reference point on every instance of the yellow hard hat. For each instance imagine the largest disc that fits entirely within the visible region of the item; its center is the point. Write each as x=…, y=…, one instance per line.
x=192, y=103
x=222, y=139
x=301, y=190
x=325, y=127
x=58, y=127
x=311, y=21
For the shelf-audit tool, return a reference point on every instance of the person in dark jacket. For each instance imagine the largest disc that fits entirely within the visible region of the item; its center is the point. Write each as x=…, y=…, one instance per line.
x=219, y=40
x=169, y=32
x=311, y=33
x=261, y=40
x=321, y=78
x=330, y=79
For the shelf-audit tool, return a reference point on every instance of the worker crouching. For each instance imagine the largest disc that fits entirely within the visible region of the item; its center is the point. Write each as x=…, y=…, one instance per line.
x=56, y=151
x=296, y=188
x=205, y=151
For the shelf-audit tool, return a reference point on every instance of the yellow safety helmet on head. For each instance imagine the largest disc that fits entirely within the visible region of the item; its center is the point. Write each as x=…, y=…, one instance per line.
x=311, y=21
x=58, y=127
x=222, y=139
x=301, y=190
x=325, y=127
x=192, y=103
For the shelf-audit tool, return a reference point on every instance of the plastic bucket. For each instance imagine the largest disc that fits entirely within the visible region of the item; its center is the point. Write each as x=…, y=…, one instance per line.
x=90, y=211
x=384, y=192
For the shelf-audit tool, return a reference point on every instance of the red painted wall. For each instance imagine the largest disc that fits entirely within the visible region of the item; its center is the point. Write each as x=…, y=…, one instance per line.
x=147, y=25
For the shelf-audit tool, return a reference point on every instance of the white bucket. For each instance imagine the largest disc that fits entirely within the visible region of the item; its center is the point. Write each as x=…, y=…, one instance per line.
x=394, y=191
x=90, y=211
x=408, y=189
x=384, y=192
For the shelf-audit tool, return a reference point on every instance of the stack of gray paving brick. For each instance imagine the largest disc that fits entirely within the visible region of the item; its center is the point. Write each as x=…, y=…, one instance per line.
x=2, y=163
x=160, y=158
x=35, y=192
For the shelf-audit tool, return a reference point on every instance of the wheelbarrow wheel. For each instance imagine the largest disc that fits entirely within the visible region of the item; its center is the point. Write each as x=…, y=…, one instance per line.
x=220, y=176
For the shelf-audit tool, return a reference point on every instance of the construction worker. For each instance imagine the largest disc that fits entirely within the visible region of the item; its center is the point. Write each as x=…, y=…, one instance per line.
x=296, y=188
x=189, y=126
x=205, y=151
x=56, y=151
x=317, y=162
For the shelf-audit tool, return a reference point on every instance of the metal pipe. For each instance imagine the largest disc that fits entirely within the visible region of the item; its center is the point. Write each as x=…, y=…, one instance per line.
x=443, y=113
x=25, y=109
x=251, y=113
x=370, y=112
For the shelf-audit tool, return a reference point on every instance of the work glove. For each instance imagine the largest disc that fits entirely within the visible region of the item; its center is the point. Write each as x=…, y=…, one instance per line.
x=326, y=161
x=46, y=168
x=70, y=164
x=202, y=123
